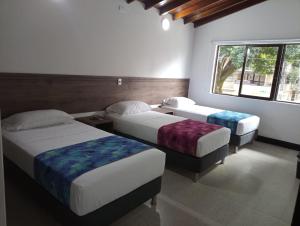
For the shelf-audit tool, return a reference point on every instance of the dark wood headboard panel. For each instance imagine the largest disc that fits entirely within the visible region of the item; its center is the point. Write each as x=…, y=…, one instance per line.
x=74, y=93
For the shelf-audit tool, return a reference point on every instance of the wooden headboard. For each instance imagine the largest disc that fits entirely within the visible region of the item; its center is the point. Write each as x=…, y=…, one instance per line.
x=75, y=93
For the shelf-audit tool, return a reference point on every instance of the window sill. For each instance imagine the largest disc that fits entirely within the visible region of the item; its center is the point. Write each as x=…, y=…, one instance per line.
x=258, y=99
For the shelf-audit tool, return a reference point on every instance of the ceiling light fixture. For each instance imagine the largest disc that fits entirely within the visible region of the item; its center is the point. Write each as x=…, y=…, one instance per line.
x=165, y=23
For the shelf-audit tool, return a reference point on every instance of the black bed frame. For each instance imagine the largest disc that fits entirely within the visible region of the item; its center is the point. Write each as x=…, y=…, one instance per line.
x=296, y=217
x=240, y=140
x=100, y=217
x=194, y=164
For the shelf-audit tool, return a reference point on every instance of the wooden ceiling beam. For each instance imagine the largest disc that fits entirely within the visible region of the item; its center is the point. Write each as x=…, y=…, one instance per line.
x=198, y=12
x=150, y=3
x=171, y=6
x=221, y=6
x=226, y=11
x=201, y=5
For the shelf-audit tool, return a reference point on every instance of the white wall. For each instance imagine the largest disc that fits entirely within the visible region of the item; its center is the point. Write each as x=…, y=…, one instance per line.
x=2, y=192
x=273, y=19
x=91, y=37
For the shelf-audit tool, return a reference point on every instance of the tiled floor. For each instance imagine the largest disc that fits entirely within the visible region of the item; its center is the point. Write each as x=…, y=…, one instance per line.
x=256, y=186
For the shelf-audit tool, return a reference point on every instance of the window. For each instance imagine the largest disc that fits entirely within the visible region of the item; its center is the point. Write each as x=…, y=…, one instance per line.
x=258, y=76
x=229, y=69
x=289, y=87
x=270, y=72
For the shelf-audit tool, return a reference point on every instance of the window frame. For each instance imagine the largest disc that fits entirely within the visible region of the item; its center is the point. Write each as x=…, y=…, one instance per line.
x=277, y=70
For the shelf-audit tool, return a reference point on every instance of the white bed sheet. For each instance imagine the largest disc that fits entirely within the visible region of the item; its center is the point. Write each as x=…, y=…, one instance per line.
x=95, y=188
x=146, y=125
x=197, y=112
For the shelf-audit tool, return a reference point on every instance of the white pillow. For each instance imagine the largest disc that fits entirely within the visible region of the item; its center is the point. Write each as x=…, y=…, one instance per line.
x=36, y=119
x=178, y=101
x=128, y=107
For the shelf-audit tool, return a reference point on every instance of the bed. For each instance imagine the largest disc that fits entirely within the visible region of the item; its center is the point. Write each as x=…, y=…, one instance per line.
x=146, y=125
x=296, y=216
x=95, y=196
x=244, y=127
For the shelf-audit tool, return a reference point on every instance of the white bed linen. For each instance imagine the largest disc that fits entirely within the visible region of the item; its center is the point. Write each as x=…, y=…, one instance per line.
x=146, y=125
x=95, y=188
x=197, y=112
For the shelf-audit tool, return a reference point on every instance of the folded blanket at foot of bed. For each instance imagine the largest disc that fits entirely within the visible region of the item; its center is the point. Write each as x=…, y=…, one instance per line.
x=56, y=169
x=183, y=136
x=229, y=119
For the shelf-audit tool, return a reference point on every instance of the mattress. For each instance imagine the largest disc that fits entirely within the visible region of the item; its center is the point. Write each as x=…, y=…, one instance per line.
x=145, y=126
x=197, y=112
x=95, y=188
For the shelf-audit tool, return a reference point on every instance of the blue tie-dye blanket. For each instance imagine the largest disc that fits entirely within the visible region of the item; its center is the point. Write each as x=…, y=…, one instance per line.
x=56, y=169
x=229, y=119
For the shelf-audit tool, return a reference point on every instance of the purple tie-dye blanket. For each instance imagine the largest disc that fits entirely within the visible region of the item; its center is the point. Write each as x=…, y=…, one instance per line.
x=183, y=136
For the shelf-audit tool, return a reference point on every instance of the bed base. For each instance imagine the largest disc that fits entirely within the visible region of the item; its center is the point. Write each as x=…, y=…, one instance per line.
x=239, y=140
x=100, y=217
x=296, y=216
x=194, y=164
x=197, y=165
